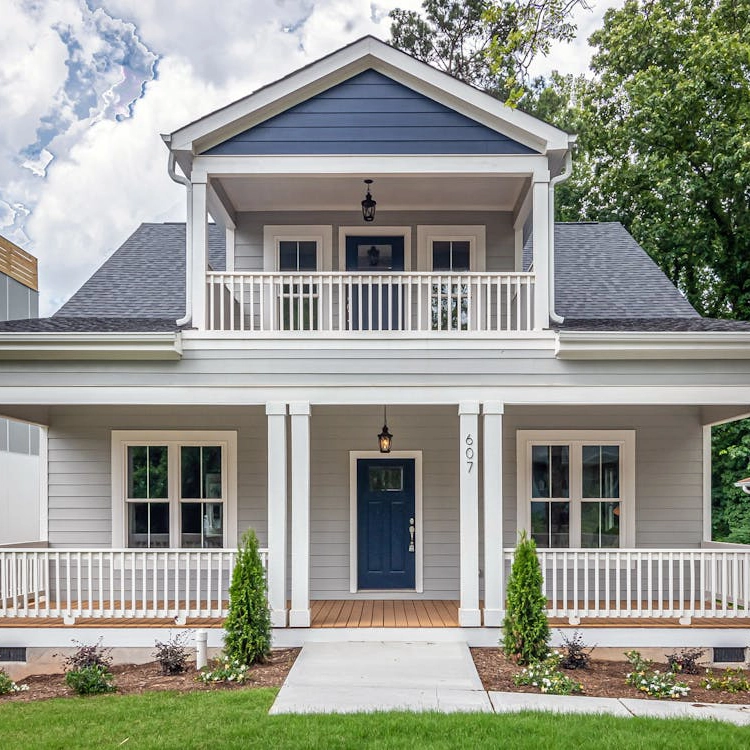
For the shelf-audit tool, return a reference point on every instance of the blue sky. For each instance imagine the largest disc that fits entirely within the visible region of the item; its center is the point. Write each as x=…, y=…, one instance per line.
x=88, y=87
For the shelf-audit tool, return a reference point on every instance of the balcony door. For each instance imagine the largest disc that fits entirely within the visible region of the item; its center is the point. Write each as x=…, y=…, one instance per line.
x=375, y=303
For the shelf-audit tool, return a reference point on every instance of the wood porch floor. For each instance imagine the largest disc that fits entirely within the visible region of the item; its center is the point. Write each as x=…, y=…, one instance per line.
x=376, y=613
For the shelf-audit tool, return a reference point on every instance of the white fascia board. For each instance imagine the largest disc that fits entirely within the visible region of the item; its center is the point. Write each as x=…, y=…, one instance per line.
x=61, y=346
x=372, y=340
x=338, y=395
x=367, y=53
x=428, y=164
x=653, y=345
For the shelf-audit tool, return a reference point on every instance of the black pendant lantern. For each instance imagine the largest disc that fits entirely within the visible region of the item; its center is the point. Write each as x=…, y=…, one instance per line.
x=368, y=204
x=385, y=437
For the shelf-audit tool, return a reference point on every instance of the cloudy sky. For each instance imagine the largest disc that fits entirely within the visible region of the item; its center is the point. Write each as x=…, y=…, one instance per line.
x=88, y=87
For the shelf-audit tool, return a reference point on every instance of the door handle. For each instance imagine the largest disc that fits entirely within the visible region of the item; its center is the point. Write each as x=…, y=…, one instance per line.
x=412, y=529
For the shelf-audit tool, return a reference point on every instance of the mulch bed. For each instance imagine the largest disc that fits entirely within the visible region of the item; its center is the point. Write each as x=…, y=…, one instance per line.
x=134, y=679
x=601, y=678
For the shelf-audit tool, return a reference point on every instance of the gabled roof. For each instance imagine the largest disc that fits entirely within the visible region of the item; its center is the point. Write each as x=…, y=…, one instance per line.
x=602, y=273
x=144, y=277
x=364, y=54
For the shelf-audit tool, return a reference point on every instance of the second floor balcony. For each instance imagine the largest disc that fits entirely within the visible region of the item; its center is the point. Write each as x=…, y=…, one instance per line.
x=433, y=304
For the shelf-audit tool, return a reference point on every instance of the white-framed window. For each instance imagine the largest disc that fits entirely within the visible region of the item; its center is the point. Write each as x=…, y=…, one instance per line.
x=174, y=489
x=375, y=231
x=297, y=248
x=451, y=248
x=576, y=488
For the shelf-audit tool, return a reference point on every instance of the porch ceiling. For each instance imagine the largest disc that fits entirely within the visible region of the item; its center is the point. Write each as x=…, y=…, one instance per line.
x=392, y=192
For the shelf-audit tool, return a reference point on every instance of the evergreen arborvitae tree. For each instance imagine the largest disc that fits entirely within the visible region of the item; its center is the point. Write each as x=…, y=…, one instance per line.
x=525, y=629
x=248, y=624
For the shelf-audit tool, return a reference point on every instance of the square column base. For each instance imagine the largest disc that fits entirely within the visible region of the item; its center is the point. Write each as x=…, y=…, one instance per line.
x=469, y=618
x=299, y=618
x=493, y=618
x=278, y=618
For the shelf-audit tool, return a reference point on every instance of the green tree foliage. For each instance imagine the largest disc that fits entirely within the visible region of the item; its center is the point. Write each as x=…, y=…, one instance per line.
x=730, y=512
x=525, y=628
x=248, y=624
x=665, y=146
x=487, y=43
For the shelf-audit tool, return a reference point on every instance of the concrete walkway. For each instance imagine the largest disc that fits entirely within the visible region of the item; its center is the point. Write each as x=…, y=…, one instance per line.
x=359, y=677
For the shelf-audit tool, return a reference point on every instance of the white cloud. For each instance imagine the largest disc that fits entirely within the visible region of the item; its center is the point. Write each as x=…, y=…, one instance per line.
x=81, y=160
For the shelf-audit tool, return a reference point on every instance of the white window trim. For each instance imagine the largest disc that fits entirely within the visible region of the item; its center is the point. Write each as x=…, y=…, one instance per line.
x=475, y=234
x=273, y=234
x=419, y=537
x=376, y=231
x=624, y=438
x=121, y=439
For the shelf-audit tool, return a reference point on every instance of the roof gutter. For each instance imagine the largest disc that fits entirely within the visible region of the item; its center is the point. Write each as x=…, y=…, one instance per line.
x=567, y=170
x=180, y=180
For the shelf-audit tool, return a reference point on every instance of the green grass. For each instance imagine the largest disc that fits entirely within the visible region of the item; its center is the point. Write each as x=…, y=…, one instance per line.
x=239, y=719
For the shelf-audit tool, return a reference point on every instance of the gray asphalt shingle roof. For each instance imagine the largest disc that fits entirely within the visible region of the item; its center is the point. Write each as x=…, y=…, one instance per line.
x=144, y=277
x=604, y=282
x=601, y=272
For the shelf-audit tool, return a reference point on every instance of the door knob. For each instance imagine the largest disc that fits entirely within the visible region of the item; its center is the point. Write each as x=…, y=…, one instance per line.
x=411, y=534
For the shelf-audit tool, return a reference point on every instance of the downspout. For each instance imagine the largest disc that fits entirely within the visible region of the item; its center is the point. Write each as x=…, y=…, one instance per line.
x=567, y=170
x=180, y=180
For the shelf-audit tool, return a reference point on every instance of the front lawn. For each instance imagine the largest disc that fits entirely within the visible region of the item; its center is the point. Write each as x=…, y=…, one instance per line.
x=239, y=719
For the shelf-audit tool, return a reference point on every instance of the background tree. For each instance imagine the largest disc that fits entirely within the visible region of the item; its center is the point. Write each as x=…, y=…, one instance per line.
x=730, y=462
x=487, y=43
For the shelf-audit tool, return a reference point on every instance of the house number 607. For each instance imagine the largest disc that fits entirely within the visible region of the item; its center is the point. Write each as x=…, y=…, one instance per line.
x=469, y=452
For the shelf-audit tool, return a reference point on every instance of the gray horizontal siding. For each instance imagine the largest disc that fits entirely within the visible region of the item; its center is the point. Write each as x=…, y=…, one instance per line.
x=370, y=114
x=499, y=231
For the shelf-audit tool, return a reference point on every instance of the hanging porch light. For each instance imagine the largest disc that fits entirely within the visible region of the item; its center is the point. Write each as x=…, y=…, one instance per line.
x=368, y=204
x=385, y=438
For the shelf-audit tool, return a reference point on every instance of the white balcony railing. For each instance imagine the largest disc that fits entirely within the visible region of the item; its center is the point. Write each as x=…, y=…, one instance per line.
x=465, y=303
x=644, y=583
x=116, y=583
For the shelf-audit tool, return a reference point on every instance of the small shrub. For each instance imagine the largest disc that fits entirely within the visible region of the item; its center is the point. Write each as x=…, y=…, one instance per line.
x=173, y=655
x=525, y=629
x=576, y=654
x=248, y=624
x=90, y=680
x=686, y=660
x=89, y=656
x=730, y=681
x=8, y=686
x=546, y=676
x=653, y=681
x=225, y=669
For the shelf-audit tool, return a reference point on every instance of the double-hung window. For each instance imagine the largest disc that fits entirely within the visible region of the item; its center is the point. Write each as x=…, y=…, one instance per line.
x=576, y=488
x=172, y=489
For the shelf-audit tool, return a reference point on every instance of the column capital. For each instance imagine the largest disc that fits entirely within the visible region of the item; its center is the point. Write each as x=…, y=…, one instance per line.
x=493, y=407
x=299, y=408
x=275, y=408
x=468, y=407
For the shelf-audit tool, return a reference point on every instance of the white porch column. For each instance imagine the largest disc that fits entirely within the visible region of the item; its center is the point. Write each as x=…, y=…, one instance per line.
x=492, y=464
x=299, y=615
x=540, y=234
x=468, y=612
x=199, y=255
x=276, y=413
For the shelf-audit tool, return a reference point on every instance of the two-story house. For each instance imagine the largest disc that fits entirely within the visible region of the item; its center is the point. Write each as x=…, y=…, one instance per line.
x=385, y=357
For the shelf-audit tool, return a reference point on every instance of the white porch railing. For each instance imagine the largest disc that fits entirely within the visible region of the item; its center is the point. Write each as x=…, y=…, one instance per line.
x=644, y=583
x=116, y=583
x=464, y=303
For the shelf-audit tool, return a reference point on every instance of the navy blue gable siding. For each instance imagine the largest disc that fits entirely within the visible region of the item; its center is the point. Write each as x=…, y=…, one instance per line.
x=370, y=114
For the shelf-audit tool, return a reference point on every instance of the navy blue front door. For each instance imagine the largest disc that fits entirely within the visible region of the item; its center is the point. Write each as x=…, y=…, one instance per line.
x=385, y=523
x=370, y=310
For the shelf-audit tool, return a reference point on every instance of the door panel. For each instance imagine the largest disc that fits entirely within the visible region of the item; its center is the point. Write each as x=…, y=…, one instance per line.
x=385, y=509
x=371, y=309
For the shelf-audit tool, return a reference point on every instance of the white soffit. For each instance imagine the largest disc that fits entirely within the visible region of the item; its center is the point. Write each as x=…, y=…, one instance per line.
x=347, y=62
x=393, y=193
